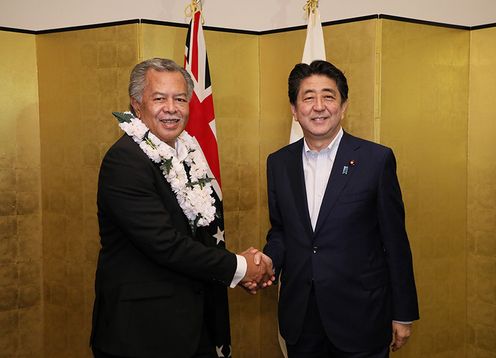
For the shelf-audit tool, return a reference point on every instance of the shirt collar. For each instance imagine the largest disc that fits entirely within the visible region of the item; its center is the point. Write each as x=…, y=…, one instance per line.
x=181, y=150
x=332, y=148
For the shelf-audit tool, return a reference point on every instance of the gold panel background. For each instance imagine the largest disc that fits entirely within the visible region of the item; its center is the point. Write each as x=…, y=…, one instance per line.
x=481, y=213
x=21, y=306
x=83, y=76
x=236, y=90
x=162, y=41
x=275, y=125
x=409, y=89
x=424, y=111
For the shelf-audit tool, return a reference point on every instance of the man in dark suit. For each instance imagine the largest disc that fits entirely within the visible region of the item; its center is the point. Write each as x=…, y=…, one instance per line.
x=338, y=236
x=155, y=266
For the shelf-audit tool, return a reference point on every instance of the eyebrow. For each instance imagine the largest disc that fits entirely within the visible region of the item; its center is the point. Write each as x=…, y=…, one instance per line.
x=165, y=95
x=323, y=90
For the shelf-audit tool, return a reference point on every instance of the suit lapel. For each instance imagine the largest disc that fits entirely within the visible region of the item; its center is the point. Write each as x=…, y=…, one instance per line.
x=297, y=182
x=341, y=172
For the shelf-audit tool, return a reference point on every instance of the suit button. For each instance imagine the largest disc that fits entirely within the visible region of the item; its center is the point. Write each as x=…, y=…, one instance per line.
x=315, y=249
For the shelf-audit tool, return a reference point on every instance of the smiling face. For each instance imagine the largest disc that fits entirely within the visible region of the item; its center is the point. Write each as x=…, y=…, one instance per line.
x=164, y=107
x=319, y=110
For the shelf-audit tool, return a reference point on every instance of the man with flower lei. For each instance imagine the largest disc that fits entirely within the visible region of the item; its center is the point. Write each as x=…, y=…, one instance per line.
x=157, y=267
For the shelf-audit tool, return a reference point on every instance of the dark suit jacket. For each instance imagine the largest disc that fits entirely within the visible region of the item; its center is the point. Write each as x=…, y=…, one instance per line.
x=358, y=258
x=151, y=273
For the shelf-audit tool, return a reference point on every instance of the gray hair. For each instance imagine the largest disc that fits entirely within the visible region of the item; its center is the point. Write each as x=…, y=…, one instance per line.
x=138, y=76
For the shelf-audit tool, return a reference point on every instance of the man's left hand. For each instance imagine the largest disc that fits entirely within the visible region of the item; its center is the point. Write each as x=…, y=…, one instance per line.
x=401, y=332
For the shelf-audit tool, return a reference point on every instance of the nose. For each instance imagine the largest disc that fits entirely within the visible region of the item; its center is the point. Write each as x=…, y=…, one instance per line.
x=169, y=106
x=319, y=104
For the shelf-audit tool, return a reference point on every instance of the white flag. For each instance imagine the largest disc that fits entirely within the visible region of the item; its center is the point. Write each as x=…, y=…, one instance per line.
x=314, y=50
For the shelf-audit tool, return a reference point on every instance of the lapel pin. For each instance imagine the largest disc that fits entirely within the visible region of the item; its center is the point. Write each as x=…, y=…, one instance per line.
x=352, y=162
x=345, y=170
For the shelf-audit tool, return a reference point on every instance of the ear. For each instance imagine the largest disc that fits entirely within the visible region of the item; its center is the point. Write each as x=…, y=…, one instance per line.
x=136, y=106
x=293, y=112
x=344, y=107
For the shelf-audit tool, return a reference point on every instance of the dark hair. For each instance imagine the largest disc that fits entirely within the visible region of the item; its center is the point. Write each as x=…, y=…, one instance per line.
x=318, y=67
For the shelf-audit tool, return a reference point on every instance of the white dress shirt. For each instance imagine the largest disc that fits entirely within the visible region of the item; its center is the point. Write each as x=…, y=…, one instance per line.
x=241, y=268
x=317, y=168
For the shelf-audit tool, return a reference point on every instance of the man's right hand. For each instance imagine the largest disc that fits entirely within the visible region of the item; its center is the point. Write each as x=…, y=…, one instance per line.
x=259, y=273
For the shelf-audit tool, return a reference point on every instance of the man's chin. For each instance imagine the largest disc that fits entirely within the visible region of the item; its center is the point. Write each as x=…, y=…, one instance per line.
x=170, y=135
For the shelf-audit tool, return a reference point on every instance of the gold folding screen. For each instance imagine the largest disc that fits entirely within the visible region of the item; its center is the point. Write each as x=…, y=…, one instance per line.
x=83, y=76
x=481, y=196
x=424, y=111
x=21, y=303
x=409, y=89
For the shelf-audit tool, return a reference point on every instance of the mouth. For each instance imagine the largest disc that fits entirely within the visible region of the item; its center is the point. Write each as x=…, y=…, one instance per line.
x=169, y=120
x=319, y=119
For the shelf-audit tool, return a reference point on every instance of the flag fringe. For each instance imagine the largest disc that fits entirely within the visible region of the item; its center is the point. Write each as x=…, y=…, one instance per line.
x=310, y=6
x=192, y=8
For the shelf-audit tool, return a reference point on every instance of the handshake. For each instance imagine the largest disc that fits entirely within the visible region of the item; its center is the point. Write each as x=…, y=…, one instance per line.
x=259, y=271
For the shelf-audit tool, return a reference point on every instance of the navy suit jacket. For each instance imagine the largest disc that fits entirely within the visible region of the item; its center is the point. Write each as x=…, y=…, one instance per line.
x=152, y=275
x=358, y=258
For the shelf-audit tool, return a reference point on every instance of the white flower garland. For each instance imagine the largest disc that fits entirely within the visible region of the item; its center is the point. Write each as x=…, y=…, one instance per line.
x=192, y=189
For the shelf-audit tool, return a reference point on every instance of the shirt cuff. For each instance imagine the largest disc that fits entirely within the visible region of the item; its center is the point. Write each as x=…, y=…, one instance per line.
x=403, y=322
x=241, y=268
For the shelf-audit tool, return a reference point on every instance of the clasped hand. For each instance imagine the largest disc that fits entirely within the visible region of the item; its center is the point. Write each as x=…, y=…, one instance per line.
x=259, y=272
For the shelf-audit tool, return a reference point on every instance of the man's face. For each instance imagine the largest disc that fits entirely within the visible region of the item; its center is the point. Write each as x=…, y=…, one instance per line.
x=164, y=107
x=319, y=108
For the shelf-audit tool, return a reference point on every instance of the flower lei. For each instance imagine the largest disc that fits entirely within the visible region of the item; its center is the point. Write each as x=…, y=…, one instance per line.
x=186, y=171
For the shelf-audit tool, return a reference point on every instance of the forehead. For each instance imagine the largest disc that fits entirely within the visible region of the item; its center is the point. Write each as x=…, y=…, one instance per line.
x=317, y=83
x=162, y=80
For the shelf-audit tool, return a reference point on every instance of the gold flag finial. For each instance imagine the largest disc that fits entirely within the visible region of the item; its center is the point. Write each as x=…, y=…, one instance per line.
x=310, y=6
x=193, y=7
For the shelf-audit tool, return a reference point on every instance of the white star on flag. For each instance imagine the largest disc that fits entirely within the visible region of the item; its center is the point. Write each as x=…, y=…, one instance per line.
x=219, y=235
x=219, y=351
